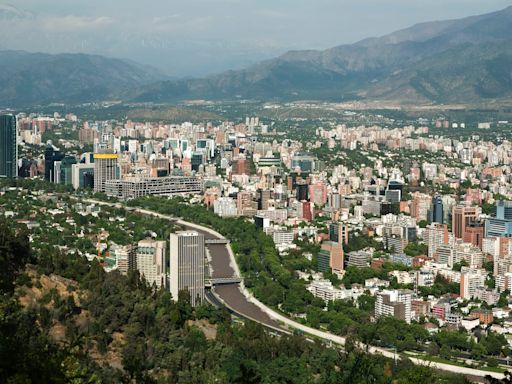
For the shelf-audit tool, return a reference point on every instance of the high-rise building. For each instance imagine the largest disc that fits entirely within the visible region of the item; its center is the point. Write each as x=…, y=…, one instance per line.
x=52, y=154
x=334, y=200
x=187, y=265
x=66, y=166
x=435, y=214
x=318, y=193
x=435, y=236
x=105, y=168
x=302, y=191
x=304, y=161
x=125, y=258
x=151, y=261
x=462, y=216
x=8, y=147
x=331, y=257
x=471, y=280
x=501, y=224
x=264, y=195
x=244, y=201
x=474, y=234
x=504, y=210
x=338, y=232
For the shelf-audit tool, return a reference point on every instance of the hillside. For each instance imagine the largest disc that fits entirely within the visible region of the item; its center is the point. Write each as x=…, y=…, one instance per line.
x=64, y=320
x=457, y=61
x=38, y=78
x=454, y=61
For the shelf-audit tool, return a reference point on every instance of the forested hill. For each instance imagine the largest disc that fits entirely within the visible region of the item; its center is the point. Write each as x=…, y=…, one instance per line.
x=64, y=320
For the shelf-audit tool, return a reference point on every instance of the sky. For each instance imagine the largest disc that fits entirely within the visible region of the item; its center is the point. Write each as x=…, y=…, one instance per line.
x=200, y=37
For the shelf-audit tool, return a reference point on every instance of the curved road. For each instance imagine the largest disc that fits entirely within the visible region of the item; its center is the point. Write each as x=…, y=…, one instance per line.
x=240, y=301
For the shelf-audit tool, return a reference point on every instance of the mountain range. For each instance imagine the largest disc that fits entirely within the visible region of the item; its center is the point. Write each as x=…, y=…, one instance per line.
x=465, y=61
x=38, y=78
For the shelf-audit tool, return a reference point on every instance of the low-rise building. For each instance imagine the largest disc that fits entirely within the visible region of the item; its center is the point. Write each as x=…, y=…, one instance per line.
x=324, y=290
x=133, y=187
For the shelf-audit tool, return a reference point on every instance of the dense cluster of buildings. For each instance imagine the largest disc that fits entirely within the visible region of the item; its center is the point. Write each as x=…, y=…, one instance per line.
x=397, y=202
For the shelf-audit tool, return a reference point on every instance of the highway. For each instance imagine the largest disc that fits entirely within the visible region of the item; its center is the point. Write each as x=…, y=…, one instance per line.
x=240, y=302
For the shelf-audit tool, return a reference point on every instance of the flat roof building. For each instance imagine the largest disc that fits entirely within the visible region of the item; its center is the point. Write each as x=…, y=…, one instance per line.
x=187, y=254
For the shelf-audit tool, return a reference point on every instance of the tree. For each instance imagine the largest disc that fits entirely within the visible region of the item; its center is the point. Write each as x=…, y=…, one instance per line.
x=14, y=254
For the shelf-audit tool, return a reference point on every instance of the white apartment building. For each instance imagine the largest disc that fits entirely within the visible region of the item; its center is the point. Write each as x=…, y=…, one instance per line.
x=471, y=281
x=324, y=290
x=225, y=207
x=435, y=236
x=396, y=303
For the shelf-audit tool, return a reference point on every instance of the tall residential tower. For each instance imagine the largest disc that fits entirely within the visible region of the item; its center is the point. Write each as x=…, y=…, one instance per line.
x=8, y=147
x=105, y=168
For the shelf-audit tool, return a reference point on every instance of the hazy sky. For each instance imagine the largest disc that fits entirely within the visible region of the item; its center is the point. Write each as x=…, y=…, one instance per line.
x=195, y=37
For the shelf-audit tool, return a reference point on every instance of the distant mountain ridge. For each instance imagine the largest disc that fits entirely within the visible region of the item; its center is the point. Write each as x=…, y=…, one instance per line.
x=467, y=61
x=423, y=63
x=39, y=78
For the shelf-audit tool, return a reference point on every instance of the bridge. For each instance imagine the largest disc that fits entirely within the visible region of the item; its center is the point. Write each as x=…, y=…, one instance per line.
x=216, y=241
x=208, y=283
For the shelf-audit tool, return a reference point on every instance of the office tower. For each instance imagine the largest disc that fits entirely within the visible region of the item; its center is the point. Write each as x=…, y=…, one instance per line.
x=56, y=172
x=65, y=175
x=105, y=168
x=8, y=147
x=82, y=174
x=302, y=191
x=435, y=214
x=52, y=154
x=197, y=159
x=394, y=191
x=396, y=303
x=338, y=232
x=504, y=210
x=501, y=224
x=461, y=217
x=304, y=161
x=187, y=265
x=474, y=234
x=264, y=195
x=331, y=257
x=151, y=261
